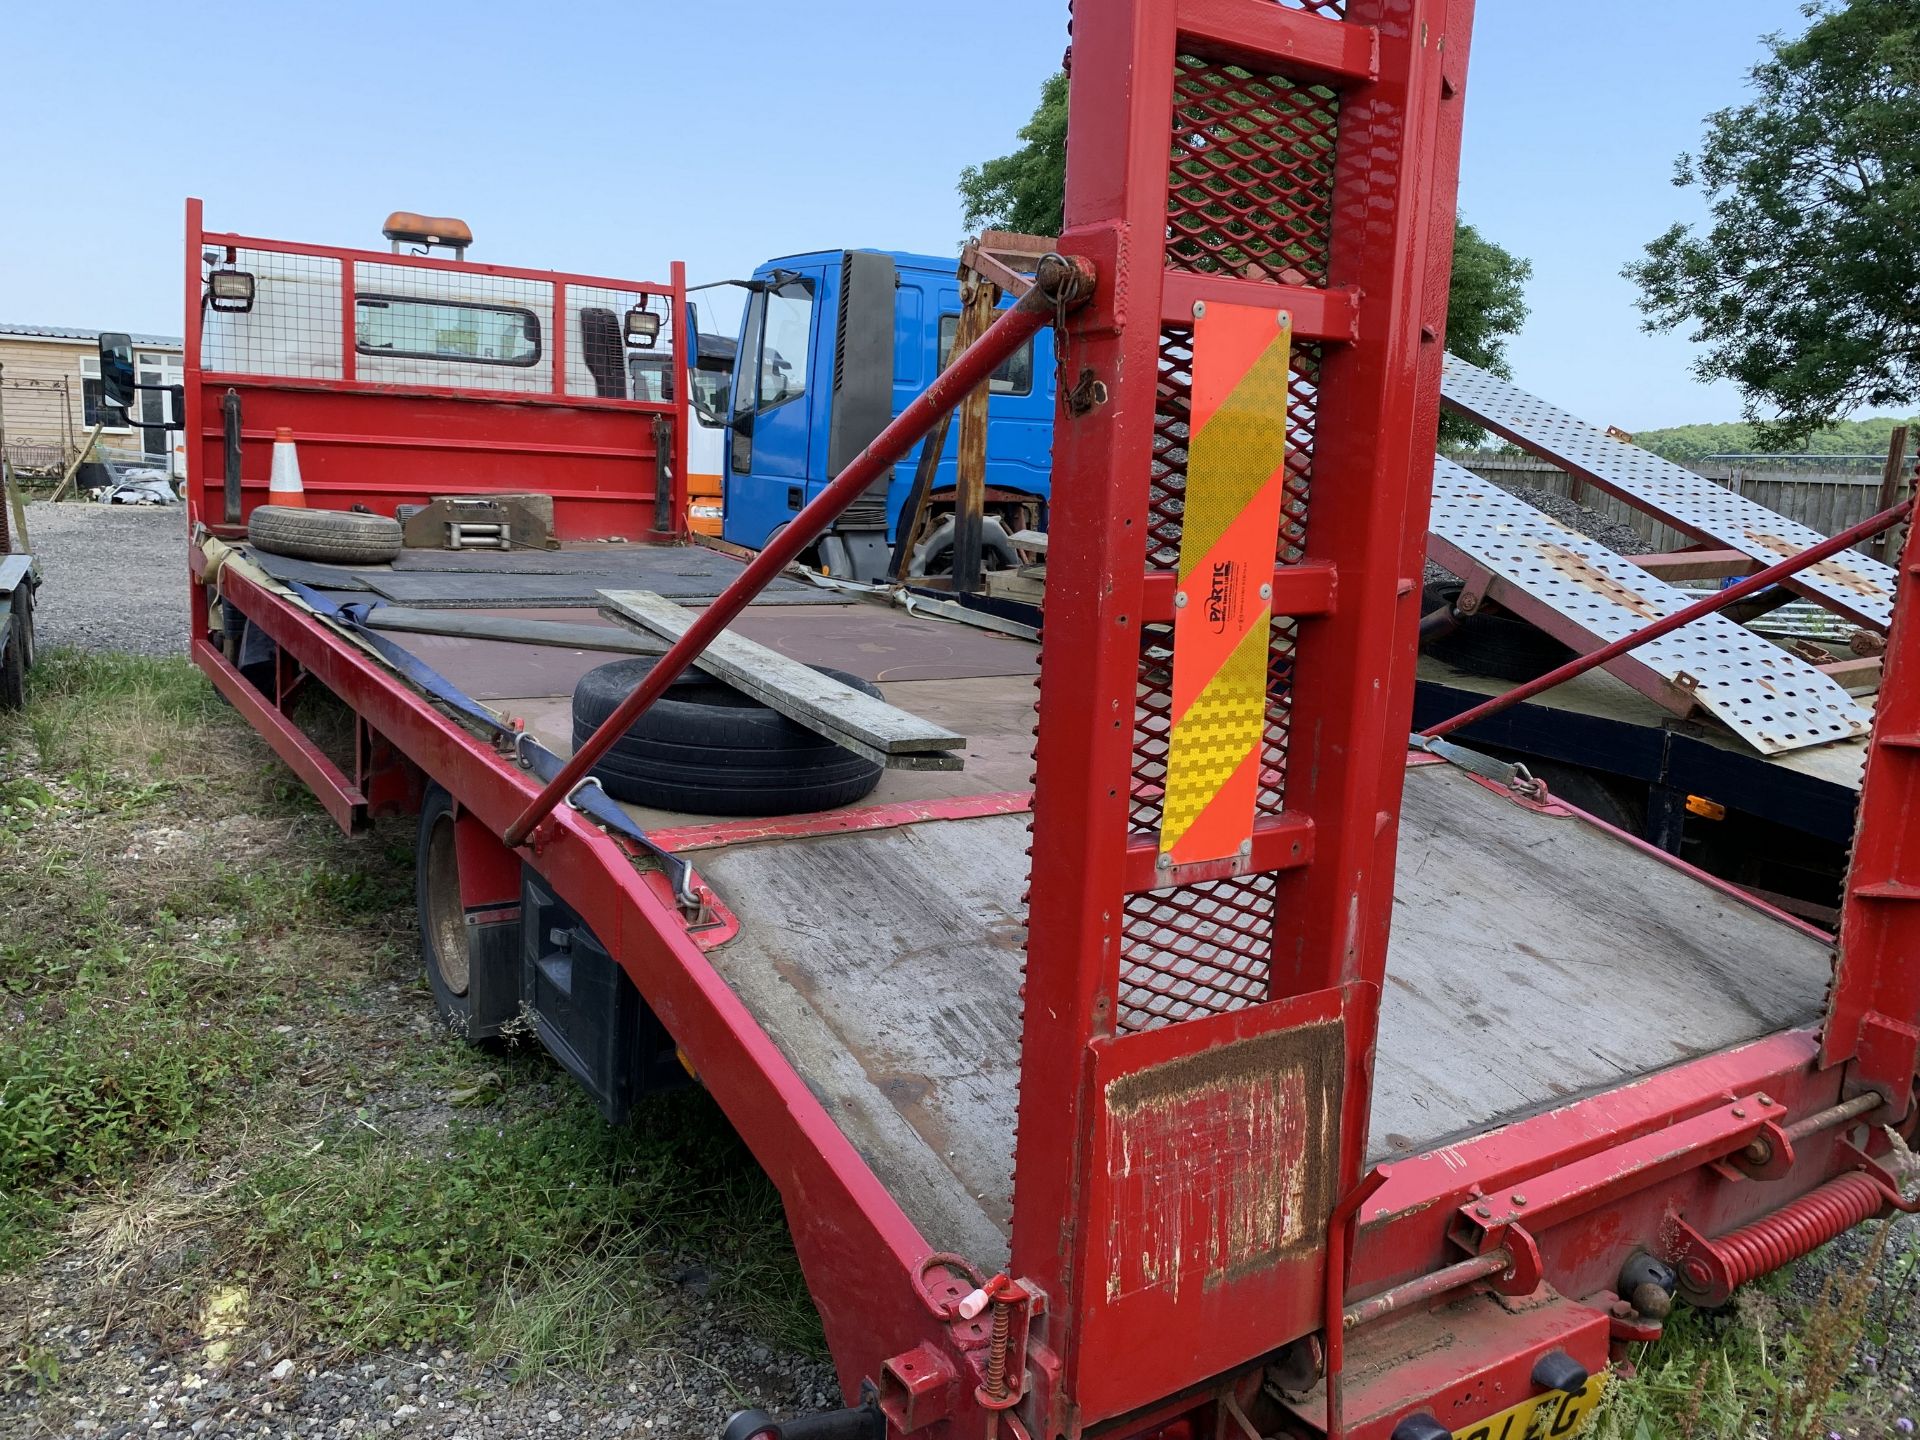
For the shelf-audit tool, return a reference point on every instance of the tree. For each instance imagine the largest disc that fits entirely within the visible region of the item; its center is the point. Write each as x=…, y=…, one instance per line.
x=1026, y=191
x=1805, y=287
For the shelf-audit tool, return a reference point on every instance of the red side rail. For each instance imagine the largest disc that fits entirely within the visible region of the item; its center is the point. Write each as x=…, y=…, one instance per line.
x=874, y=1278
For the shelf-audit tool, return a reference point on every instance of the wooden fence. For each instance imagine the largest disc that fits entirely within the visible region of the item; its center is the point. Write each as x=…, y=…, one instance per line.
x=1828, y=502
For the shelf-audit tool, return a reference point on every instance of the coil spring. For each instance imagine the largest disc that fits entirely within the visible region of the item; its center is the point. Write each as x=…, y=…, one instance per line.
x=997, y=1350
x=1800, y=1228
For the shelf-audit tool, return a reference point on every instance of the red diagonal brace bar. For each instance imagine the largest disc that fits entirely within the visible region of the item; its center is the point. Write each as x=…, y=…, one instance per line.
x=1792, y=565
x=1063, y=284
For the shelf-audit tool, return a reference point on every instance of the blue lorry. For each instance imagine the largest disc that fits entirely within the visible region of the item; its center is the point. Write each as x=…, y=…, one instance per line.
x=832, y=346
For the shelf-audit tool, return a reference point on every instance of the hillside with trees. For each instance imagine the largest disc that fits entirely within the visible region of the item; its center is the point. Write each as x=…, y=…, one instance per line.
x=1688, y=443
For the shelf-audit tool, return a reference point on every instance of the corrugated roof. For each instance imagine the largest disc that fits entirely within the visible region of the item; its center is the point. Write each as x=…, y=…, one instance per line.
x=66, y=332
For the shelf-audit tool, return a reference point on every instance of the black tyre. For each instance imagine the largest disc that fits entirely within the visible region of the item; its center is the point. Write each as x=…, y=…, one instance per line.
x=337, y=537
x=23, y=602
x=1491, y=643
x=706, y=749
x=934, y=555
x=13, y=664
x=446, y=944
x=1620, y=803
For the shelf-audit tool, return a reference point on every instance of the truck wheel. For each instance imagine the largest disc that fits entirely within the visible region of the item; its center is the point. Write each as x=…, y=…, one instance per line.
x=23, y=604
x=1492, y=643
x=934, y=555
x=446, y=945
x=13, y=664
x=706, y=749
x=337, y=537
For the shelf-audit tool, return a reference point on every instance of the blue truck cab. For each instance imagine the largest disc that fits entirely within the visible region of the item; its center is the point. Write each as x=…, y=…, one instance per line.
x=833, y=345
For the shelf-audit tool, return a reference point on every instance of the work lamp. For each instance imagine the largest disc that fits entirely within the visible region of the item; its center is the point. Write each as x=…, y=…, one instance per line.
x=231, y=290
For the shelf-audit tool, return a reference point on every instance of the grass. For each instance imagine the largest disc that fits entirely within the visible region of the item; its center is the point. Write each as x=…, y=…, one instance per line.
x=222, y=1078
x=1769, y=1368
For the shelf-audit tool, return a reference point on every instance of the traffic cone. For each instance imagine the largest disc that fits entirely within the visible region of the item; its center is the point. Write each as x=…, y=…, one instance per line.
x=284, y=487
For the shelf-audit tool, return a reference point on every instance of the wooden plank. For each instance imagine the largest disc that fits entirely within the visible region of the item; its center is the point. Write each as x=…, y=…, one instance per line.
x=1891, y=480
x=1697, y=564
x=79, y=458
x=970, y=477
x=848, y=717
x=1857, y=677
x=1028, y=584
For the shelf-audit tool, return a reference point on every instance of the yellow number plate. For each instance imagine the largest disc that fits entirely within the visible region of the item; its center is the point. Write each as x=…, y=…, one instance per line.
x=1555, y=1416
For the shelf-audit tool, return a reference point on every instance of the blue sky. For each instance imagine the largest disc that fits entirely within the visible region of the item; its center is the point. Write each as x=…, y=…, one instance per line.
x=611, y=138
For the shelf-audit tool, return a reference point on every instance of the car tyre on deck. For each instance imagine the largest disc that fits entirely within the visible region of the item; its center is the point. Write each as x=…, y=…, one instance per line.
x=705, y=748
x=334, y=537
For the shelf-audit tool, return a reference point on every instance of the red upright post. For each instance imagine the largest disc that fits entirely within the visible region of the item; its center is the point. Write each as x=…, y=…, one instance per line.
x=686, y=356
x=1220, y=745
x=1873, y=1014
x=193, y=423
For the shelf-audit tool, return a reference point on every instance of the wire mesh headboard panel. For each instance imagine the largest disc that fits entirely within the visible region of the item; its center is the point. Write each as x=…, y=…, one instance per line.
x=409, y=322
x=293, y=330
x=454, y=328
x=600, y=362
x=401, y=377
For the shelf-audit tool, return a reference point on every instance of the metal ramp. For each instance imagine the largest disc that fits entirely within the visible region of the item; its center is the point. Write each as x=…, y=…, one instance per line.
x=1584, y=595
x=1856, y=586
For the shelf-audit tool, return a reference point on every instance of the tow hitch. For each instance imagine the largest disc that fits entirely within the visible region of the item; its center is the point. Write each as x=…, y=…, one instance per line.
x=863, y=1422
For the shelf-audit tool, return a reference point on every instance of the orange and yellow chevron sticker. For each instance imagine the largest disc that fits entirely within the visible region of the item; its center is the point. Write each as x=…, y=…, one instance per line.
x=1229, y=542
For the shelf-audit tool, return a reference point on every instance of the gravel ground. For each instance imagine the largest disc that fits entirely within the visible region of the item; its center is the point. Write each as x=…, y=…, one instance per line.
x=114, y=579
x=1621, y=539
x=114, y=576
x=1889, y=1354
x=114, y=1389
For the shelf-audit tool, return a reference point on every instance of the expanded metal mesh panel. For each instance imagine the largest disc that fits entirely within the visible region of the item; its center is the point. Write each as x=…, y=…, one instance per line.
x=1195, y=950
x=452, y=329
x=293, y=330
x=600, y=363
x=1250, y=188
x=1332, y=9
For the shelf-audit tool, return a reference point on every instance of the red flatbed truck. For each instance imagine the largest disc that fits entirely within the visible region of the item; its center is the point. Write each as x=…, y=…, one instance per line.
x=1099, y=1099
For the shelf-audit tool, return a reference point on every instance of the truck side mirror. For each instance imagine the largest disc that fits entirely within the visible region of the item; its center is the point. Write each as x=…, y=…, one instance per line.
x=711, y=400
x=116, y=370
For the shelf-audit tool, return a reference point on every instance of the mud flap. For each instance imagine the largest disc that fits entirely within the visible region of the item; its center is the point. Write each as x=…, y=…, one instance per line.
x=586, y=1011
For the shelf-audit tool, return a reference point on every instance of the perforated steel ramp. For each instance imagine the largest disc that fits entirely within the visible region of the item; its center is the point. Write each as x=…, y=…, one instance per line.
x=1858, y=587
x=1585, y=595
